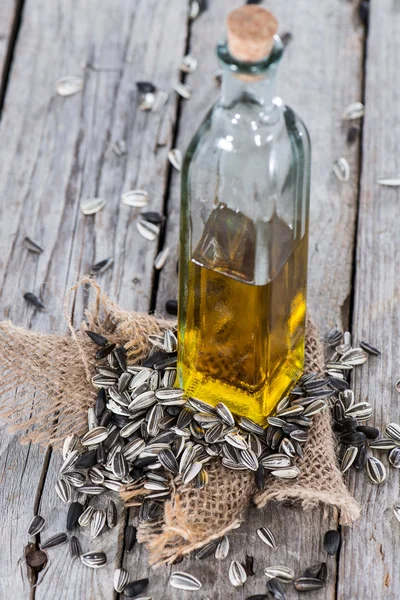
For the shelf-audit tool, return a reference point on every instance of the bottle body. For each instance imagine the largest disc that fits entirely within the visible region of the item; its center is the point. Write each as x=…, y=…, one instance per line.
x=244, y=241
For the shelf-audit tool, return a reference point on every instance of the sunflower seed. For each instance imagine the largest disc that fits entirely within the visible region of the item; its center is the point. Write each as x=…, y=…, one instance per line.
x=267, y=537
x=206, y=550
x=355, y=110
x=32, y=246
x=183, y=90
x=168, y=461
x=376, y=470
x=393, y=432
x=161, y=258
x=184, y=581
x=36, y=525
x=249, y=459
x=54, y=540
x=279, y=572
x=92, y=490
x=111, y=514
x=75, y=478
x=237, y=574
x=69, y=85
x=133, y=449
x=308, y=584
x=191, y=472
x=146, y=101
x=121, y=578
x=392, y=180
x=33, y=299
x=361, y=410
x=289, y=473
x=135, y=198
x=188, y=64
x=334, y=336
x=95, y=559
x=63, y=489
x=396, y=510
x=348, y=458
x=274, y=586
x=286, y=447
x=315, y=408
x=75, y=547
x=194, y=10
x=147, y=230
x=119, y=147
x=92, y=206
x=341, y=169
x=86, y=517
x=276, y=422
x=97, y=523
x=101, y=266
x=74, y=512
x=370, y=349
x=236, y=440
x=275, y=461
x=383, y=444
x=299, y=435
x=225, y=414
x=175, y=158
x=332, y=542
x=95, y=436
x=222, y=550
x=295, y=409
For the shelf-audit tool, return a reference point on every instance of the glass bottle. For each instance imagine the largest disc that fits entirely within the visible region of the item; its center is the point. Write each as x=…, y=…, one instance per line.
x=244, y=240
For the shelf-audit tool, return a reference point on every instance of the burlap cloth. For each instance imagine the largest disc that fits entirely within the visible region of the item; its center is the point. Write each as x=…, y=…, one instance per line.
x=46, y=389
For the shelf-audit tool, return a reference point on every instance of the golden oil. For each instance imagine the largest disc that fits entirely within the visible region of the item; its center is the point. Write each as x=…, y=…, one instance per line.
x=240, y=343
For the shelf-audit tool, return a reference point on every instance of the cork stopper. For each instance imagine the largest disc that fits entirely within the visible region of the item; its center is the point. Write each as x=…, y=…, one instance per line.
x=251, y=29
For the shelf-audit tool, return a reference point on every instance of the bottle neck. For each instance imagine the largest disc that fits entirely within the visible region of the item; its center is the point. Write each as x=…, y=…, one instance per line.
x=259, y=90
x=252, y=84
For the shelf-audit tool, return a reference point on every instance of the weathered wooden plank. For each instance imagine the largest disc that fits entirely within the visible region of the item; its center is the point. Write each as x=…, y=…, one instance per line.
x=314, y=90
x=8, y=15
x=374, y=538
x=57, y=152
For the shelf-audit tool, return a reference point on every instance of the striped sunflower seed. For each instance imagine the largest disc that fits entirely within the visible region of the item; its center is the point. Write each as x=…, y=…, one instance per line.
x=54, y=540
x=75, y=548
x=308, y=584
x=184, y=90
x=69, y=85
x=315, y=408
x=382, y=444
x=289, y=473
x=249, y=459
x=147, y=230
x=135, y=198
x=376, y=470
x=97, y=523
x=86, y=517
x=394, y=458
x=95, y=436
x=348, y=458
x=183, y=581
x=267, y=537
x=191, y=472
x=222, y=550
x=355, y=110
x=94, y=559
x=275, y=461
x=236, y=440
x=168, y=461
x=64, y=490
x=121, y=578
x=341, y=169
x=225, y=414
x=393, y=432
x=206, y=550
x=280, y=572
x=36, y=525
x=250, y=426
x=92, y=206
x=396, y=510
x=237, y=574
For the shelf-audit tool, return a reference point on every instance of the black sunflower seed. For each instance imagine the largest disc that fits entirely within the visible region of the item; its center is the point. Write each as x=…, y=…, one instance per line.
x=308, y=584
x=332, y=542
x=55, y=540
x=171, y=306
x=286, y=38
x=370, y=349
x=75, y=547
x=74, y=512
x=352, y=134
x=100, y=454
x=33, y=299
x=249, y=566
x=130, y=538
x=145, y=87
x=354, y=438
x=260, y=477
x=101, y=266
x=98, y=339
x=87, y=460
x=101, y=402
x=153, y=217
x=103, y=352
x=120, y=355
x=276, y=589
x=313, y=570
x=134, y=588
x=371, y=432
x=361, y=458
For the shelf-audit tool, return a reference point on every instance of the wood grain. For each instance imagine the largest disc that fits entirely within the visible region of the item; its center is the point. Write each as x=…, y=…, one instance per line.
x=373, y=541
x=56, y=153
x=8, y=13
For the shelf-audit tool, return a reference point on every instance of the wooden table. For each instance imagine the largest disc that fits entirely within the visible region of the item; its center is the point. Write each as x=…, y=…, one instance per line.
x=56, y=151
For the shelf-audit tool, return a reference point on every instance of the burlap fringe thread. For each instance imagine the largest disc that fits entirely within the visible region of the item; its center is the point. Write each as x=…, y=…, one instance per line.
x=46, y=390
